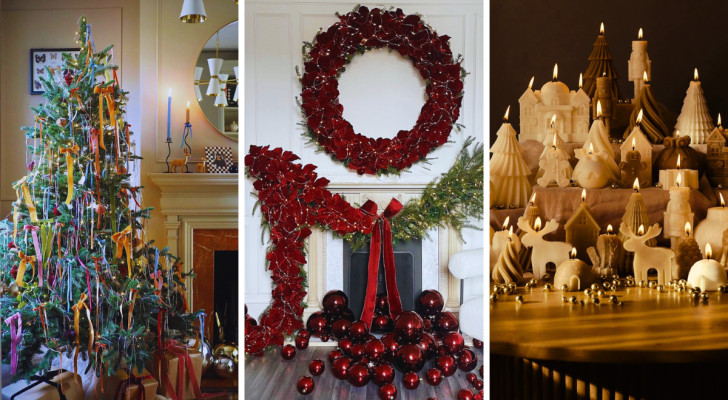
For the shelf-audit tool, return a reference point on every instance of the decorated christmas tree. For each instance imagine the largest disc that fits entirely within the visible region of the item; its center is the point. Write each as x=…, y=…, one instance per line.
x=508, y=171
x=76, y=271
x=694, y=120
x=600, y=64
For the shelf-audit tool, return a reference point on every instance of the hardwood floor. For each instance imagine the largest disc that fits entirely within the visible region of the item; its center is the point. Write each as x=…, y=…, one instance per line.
x=271, y=377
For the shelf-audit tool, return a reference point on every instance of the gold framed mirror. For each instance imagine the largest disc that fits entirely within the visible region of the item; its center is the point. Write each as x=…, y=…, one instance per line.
x=215, y=80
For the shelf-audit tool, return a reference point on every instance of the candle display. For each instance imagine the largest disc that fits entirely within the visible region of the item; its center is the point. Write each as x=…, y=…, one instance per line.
x=710, y=230
x=507, y=269
x=639, y=64
x=636, y=157
x=678, y=212
x=582, y=229
x=574, y=274
x=544, y=251
x=707, y=274
x=608, y=255
x=554, y=161
x=695, y=120
x=687, y=253
x=508, y=171
x=645, y=256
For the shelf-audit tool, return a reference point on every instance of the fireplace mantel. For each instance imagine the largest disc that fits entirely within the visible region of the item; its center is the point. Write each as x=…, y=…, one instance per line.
x=195, y=201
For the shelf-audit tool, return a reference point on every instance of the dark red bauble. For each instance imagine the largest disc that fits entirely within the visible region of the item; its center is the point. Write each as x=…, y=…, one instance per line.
x=427, y=324
x=478, y=396
x=442, y=351
x=305, y=385
x=477, y=344
x=465, y=394
x=428, y=344
x=382, y=324
x=325, y=336
x=408, y=327
x=433, y=376
x=345, y=345
x=303, y=334
x=388, y=392
x=390, y=344
x=316, y=367
x=478, y=384
x=335, y=301
x=374, y=350
x=467, y=360
x=480, y=370
x=249, y=323
x=447, y=365
x=411, y=380
x=316, y=323
x=301, y=343
x=381, y=305
x=471, y=378
x=358, y=375
x=340, y=328
x=430, y=302
x=288, y=352
x=357, y=351
x=358, y=331
x=446, y=322
x=409, y=358
x=341, y=367
x=453, y=342
x=348, y=315
x=383, y=374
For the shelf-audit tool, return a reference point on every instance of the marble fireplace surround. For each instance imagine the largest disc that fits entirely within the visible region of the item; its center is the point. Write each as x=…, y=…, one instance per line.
x=325, y=266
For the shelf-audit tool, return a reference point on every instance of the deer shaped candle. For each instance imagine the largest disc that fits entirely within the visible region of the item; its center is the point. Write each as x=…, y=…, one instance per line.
x=574, y=274
x=544, y=251
x=646, y=257
x=707, y=274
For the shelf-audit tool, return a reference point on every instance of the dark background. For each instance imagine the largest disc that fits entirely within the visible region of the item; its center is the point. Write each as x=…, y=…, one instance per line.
x=528, y=36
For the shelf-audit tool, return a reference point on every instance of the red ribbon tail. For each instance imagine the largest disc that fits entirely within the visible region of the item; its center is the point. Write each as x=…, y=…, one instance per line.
x=367, y=313
x=390, y=272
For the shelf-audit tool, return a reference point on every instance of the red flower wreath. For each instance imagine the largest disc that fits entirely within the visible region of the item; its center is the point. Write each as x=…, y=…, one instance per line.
x=356, y=32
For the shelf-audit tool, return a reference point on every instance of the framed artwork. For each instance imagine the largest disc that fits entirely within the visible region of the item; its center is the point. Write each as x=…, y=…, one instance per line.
x=218, y=159
x=42, y=58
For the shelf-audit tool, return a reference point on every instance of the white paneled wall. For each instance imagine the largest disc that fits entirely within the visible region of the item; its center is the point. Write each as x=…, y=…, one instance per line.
x=381, y=93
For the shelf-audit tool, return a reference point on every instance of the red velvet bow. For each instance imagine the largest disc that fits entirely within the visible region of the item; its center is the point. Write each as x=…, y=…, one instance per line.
x=390, y=270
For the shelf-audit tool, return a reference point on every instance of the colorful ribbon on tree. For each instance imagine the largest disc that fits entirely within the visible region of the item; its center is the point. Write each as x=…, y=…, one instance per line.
x=69, y=152
x=24, y=261
x=77, y=327
x=105, y=93
x=38, y=253
x=134, y=293
x=123, y=242
x=39, y=121
x=29, y=203
x=390, y=270
x=16, y=335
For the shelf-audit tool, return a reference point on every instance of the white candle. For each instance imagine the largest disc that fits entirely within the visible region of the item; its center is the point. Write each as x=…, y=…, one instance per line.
x=554, y=162
x=707, y=274
x=169, y=115
x=592, y=171
x=689, y=177
x=639, y=64
x=574, y=274
x=678, y=212
x=500, y=241
x=187, y=112
x=710, y=230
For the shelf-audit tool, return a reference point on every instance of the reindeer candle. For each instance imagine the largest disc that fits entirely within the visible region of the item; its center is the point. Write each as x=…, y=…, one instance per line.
x=707, y=274
x=678, y=212
x=646, y=257
x=712, y=227
x=544, y=251
x=574, y=274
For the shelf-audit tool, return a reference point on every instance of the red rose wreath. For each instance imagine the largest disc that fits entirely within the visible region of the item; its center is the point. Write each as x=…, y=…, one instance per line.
x=356, y=32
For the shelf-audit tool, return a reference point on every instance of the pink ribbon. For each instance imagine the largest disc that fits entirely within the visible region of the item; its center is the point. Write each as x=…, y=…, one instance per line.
x=38, y=255
x=16, y=334
x=88, y=282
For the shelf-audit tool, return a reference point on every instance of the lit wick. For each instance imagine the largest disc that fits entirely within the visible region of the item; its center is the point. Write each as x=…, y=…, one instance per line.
x=636, y=185
x=722, y=202
x=599, y=109
x=581, y=80
x=556, y=72
x=641, y=230
x=572, y=254
x=537, y=224
x=719, y=122
x=678, y=180
x=601, y=29
x=639, y=118
x=639, y=34
x=609, y=229
x=687, y=228
x=644, y=78
x=505, y=117
x=530, y=84
x=505, y=223
x=678, y=162
x=533, y=199
x=695, y=75
x=583, y=195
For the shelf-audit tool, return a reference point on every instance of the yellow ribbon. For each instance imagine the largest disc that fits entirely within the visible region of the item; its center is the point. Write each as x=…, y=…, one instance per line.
x=24, y=260
x=16, y=215
x=123, y=243
x=69, y=152
x=76, y=325
x=135, y=293
x=29, y=204
x=40, y=121
x=105, y=93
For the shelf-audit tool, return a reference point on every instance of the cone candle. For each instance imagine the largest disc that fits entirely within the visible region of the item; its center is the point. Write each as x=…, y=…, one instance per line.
x=689, y=177
x=694, y=119
x=678, y=212
x=707, y=274
x=508, y=170
x=710, y=230
x=500, y=240
x=687, y=253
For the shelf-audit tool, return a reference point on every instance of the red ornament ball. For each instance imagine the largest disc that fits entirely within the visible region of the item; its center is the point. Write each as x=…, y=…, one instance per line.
x=303, y=334
x=467, y=360
x=480, y=370
x=388, y=392
x=447, y=365
x=446, y=322
x=409, y=358
x=301, y=343
x=477, y=344
x=408, y=327
x=288, y=352
x=453, y=342
x=381, y=305
x=433, y=376
x=383, y=374
x=345, y=345
x=56, y=212
x=390, y=344
x=382, y=323
x=357, y=351
x=340, y=328
x=427, y=324
x=411, y=380
x=358, y=375
x=478, y=396
x=347, y=314
x=305, y=385
x=471, y=378
x=478, y=384
x=325, y=337
x=335, y=301
x=430, y=302
x=358, y=331
x=335, y=354
x=428, y=344
x=375, y=350
x=465, y=394
x=341, y=367
x=316, y=367
x=316, y=323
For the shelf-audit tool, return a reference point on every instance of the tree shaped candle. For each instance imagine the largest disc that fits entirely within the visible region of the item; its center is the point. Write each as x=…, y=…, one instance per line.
x=695, y=120
x=687, y=253
x=554, y=162
x=678, y=212
x=652, y=123
x=636, y=213
x=508, y=171
x=600, y=63
x=507, y=269
x=639, y=65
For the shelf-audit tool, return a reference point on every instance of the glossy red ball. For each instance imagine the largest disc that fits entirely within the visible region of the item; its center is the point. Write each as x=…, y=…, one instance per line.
x=357, y=351
x=477, y=344
x=341, y=367
x=305, y=385
x=382, y=324
x=433, y=376
x=383, y=374
x=316, y=323
x=303, y=334
x=316, y=367
x=478, y=384
x=427, y=324
x=335, y=301
x=358, y=331
x=335, y=354
x=430, y=302
x=388, y=392
x=340, y=328
x=409, y=358
x=480, y=370
x=428, y=344
x=453, y=342
x=478, y=396
x=381, y=305
x=471, y=378
x=447, y=365
x=465, y=394
x=301, y=343
x=374, y=350
x=358, y=375
x=467, y=360
x=411, y=380
x=347, y=314
x=390, y=345
x=408, y=327
x=288, y=352
x=345, y=345
x=446, y=322
x=325, y=337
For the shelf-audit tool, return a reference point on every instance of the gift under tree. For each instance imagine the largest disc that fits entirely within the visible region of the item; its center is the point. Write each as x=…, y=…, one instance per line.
x=78, y=277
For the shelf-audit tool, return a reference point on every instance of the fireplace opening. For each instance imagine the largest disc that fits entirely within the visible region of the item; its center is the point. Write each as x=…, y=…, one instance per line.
x=408, y=262
x=225, y=296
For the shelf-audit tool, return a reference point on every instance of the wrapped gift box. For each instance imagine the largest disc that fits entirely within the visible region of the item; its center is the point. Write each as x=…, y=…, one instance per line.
x=120, y=386
x=172, y=364
x=43, y=391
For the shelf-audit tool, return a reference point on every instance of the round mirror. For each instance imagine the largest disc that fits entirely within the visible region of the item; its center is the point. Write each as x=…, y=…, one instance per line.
x=215, y=80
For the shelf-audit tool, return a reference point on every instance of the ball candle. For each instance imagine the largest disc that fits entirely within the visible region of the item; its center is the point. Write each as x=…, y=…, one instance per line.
x=710, y=230
x=707, y=274
x=678, y=212
x=593, y=170
x=689, y=177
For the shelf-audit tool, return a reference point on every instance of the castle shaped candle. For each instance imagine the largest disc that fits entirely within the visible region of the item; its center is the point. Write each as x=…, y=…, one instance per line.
x=651, y=124
x=695, y=120
x=717, y=156
x=601, y=64
x=639, y=65
x=554, y=99
x=508, y=171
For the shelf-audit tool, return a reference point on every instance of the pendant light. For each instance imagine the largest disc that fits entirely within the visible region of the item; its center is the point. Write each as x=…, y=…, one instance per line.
x=215, y=65
x=235, y=96
x=193, y=11
x=221, y=99
x=198, y=75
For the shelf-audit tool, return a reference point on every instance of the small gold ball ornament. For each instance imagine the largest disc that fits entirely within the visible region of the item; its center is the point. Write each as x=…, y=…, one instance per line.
x=519, y=299
x=596, y=301
x=594, y=287
x=587, y=292
x=547, y=287
x=613, y=299
x=564, y=288
x=494, y=297
x=641, y=284
x=573, y=299
x=704, y=296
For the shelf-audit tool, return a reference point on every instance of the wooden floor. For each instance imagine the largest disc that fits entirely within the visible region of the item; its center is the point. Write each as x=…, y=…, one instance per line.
x=271, y=377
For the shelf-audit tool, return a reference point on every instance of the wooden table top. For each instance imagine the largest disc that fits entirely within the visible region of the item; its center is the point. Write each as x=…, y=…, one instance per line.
x=648, y=327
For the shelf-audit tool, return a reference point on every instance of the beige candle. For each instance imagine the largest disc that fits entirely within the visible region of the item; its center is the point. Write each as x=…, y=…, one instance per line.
x=187, y=112
x=608, y=255
x=582, y=229
x=687, y=253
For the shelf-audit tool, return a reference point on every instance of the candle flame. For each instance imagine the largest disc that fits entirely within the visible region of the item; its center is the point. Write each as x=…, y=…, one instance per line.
x=639, y=117
x=591, y=148
x=644, y=76
x=572, y=254
x=641, y=230
x=505, y=117
x=636, y=184
x=553, y=120
x=722, y=201
x=530, y=84
x=634, y=143
x=537, y=224
x=601, y=29
x=708, y=251
x=556, y=71
x=188, y=104
x=719, y=124
x=639, y=34
x=533, y=198
x=599, y=108
x=554, y=145
x=678, y=180
x=581, y=80
x=695, y=74
x=583, y=195
x=687, y=228
x=678, y=161
x=677, y=133
x=505, y=223
x=609, y=228
x=510, y=232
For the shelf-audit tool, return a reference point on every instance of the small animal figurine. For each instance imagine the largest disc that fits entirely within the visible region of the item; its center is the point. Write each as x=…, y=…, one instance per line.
x=200, y=168
x=646, y=257
x=544, y=251
x=181, y=163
